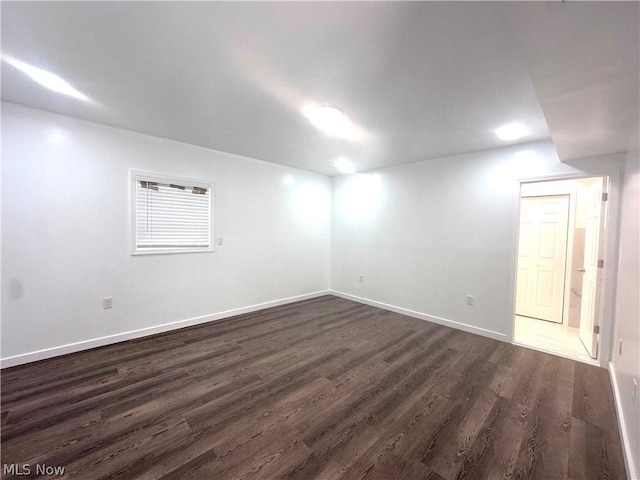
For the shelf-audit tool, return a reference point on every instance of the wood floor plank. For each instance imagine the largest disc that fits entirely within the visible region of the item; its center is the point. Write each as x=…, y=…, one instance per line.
x=588, y=405
x=578, y=462
x=604, y=453
x=325, y=388
x=447, y=456
x=556, y=419
x=363, y=415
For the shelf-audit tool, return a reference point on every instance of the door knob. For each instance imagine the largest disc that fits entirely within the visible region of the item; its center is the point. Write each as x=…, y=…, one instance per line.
x=581, y=269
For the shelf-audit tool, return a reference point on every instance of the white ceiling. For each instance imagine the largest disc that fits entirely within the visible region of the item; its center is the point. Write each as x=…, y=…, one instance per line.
x=584, y=61
x=423, y=80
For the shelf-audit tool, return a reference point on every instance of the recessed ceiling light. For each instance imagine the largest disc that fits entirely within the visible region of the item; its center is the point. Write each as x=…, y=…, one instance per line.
x=332, y=121
x=46, y=79
x=344, y=166
x=512, y=131
x=324, y=116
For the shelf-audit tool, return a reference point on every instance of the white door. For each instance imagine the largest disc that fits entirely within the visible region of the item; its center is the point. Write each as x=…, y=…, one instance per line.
x=592, y=275
x=542, y=255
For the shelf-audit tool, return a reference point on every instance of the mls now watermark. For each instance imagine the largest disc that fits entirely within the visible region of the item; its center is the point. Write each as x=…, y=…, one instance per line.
x=26, y=469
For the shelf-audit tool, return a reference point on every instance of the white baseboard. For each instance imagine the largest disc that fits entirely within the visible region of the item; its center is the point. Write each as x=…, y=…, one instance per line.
x=143, y=332
x=632, y=474
x=423, y=316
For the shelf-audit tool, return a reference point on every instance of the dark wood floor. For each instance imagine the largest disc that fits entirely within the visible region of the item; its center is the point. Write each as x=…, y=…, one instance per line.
x=325, y=388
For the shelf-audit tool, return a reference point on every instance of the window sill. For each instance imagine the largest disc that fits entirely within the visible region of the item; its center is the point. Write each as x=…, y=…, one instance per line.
x=165, y=251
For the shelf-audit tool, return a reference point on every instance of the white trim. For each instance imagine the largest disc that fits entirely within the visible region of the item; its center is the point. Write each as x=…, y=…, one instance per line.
x=423, y=316
x=622, y=426
x=165, y=177
x=164, y=251
x=143, y=332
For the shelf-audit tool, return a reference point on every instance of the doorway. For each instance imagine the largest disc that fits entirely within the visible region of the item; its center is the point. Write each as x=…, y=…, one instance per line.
x=559, y=277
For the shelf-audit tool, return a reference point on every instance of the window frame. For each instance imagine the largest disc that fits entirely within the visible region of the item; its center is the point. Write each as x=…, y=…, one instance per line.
x=134, y=177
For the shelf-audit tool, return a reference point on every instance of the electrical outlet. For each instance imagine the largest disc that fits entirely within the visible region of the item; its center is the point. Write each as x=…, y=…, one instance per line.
x=361, y=279
x=634, y=391
x=620, y=348
x=470, y=299
x=220, y=241
x=107, y=302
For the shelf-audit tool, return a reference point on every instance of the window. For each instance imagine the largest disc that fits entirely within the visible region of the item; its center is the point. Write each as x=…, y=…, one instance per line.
x=170, y=214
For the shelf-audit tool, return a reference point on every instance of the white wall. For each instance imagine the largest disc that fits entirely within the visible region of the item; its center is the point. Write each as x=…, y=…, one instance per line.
x=427, y=234
x=65, y=237
x=626, y=367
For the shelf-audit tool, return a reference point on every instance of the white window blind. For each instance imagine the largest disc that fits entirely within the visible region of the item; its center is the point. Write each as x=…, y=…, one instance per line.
x=171, y=215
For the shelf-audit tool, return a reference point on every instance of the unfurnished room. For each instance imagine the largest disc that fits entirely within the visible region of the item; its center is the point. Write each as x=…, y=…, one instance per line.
x=320, y=240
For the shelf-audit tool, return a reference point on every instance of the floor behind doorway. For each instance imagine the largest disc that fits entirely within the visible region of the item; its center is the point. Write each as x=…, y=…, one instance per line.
x=551, y=337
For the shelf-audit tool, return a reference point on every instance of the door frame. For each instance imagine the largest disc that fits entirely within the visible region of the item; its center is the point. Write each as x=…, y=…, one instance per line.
x=606, y=309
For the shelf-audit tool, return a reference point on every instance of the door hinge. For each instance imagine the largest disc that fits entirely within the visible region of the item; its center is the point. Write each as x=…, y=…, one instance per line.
x=605, y=196
x=600, y=263
x=596, y=329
